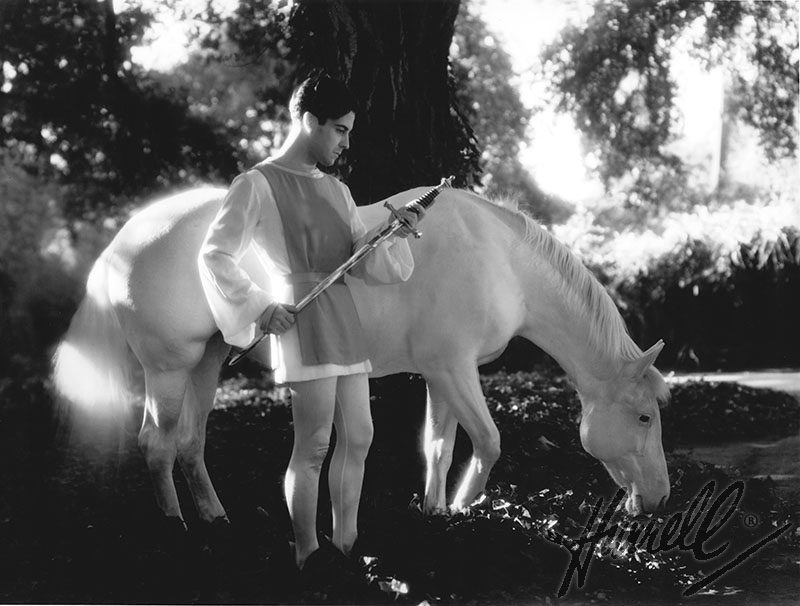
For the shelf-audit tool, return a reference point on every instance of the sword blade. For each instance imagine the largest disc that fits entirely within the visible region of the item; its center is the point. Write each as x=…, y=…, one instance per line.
x=357, y=256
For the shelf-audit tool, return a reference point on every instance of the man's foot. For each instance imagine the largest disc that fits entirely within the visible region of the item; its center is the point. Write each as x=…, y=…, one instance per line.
x=328, y=571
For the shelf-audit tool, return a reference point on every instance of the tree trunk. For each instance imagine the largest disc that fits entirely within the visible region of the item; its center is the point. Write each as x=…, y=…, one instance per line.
x=110, y=41
x=394, y=55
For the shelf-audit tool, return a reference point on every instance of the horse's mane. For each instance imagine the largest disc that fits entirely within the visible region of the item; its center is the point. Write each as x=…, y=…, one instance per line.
x=580, y=288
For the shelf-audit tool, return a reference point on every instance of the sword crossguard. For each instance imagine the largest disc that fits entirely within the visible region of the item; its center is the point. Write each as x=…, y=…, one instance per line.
x=405, y=222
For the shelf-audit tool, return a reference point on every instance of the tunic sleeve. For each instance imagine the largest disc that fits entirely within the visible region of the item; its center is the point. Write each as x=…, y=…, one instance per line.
x=391, y=262
x=235, y=300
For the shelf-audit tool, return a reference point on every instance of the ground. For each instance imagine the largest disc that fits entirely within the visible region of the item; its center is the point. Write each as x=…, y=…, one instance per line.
x=78, y=523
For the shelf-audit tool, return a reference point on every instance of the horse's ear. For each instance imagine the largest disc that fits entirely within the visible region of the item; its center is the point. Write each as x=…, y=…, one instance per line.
x=635, y=369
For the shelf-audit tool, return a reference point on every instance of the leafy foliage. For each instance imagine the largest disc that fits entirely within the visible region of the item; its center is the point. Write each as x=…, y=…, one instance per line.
x=483, y=73
x=75, y=107
x=614, y=74
x=738, y=412
x=240, y=75
x=25, y=214
x=44, y=261
x=766, y=97
x=80, y=525
x=719, y=286
x=256, y=40
x=36, y=296
x=138, y=132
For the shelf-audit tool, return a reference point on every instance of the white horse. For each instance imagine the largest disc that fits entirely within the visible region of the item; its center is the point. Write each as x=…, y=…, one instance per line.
x=484, y=274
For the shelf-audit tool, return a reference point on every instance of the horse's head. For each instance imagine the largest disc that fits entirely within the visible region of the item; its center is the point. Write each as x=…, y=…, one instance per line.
x=621, y=426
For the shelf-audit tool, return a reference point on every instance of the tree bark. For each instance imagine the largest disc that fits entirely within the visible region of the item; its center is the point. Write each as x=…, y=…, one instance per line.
x=394, y=55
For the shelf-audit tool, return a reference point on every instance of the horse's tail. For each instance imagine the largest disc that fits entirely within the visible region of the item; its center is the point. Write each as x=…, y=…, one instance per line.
x=92, y=366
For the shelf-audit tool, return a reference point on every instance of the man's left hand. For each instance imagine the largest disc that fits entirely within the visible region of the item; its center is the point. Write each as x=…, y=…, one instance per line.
x=409, y=216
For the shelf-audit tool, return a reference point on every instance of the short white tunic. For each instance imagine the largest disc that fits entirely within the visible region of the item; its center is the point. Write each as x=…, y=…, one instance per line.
x=244, y=259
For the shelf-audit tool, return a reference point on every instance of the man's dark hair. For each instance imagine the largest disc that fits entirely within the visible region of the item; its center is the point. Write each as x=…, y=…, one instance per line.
x=322, y=95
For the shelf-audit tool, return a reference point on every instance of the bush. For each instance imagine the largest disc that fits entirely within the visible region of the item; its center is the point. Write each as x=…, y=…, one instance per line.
x=43, y=265
x=721, y=288
x=79, y=525
x=703, y=412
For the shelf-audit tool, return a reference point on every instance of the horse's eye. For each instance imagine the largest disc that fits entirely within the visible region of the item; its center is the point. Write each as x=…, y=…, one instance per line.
x=644, y=418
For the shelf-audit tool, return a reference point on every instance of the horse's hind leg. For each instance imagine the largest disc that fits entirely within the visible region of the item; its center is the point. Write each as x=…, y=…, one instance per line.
x=164, y=394
x=439, y=439
x=459, y=388
x=192, y=430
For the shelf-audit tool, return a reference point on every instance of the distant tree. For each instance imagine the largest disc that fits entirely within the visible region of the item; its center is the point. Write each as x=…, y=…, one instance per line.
x=484, y=88
x=614, y=75
x=239, y=74
x=484, y=76
x=74, y=107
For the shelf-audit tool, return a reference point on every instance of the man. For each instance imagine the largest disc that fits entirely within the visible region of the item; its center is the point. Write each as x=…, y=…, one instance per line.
x=303, y=225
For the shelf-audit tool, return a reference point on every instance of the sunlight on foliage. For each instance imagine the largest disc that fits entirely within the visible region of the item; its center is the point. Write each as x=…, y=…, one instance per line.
x=724, y=229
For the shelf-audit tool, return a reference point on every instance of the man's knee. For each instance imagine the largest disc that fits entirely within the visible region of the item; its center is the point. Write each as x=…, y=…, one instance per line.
x=356, y=436
x=312, y=450
x=361, y=438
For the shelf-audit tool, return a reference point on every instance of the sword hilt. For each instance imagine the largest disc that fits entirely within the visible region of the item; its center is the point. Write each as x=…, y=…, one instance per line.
x=421, y=204
x=403, y=221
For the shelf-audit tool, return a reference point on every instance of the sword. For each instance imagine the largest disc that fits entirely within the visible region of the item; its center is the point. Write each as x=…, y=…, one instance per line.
x=417, y=206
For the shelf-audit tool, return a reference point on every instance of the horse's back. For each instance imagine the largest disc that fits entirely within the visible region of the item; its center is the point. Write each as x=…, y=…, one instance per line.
x=463, y=299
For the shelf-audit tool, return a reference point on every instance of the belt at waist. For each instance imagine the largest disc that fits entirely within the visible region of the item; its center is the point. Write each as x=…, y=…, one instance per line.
x=329, y=331
x=309, y=278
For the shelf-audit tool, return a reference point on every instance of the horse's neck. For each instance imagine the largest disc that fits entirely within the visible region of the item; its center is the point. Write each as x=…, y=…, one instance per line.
x=561, y=321
x=566, y=337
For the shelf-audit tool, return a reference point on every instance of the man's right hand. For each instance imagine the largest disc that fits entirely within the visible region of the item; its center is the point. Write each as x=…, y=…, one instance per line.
x=278, y=319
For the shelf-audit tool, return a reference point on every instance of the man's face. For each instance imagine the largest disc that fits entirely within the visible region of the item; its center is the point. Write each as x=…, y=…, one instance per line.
x=330, y=139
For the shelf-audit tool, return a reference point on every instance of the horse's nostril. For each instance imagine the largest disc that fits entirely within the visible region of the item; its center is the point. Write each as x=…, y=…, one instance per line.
x=662, y=504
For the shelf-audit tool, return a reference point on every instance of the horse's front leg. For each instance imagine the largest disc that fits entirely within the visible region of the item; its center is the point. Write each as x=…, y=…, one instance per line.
x=439, y=439
x=459, y=389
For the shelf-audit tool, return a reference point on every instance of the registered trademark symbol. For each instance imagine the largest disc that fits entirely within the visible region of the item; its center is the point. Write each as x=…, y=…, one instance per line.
x=750, y=520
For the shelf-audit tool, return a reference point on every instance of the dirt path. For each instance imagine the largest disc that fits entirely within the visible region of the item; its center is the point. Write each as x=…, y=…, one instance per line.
x=779, y=459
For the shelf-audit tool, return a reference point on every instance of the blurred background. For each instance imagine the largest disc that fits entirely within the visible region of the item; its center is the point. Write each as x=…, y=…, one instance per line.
x=658, y=139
